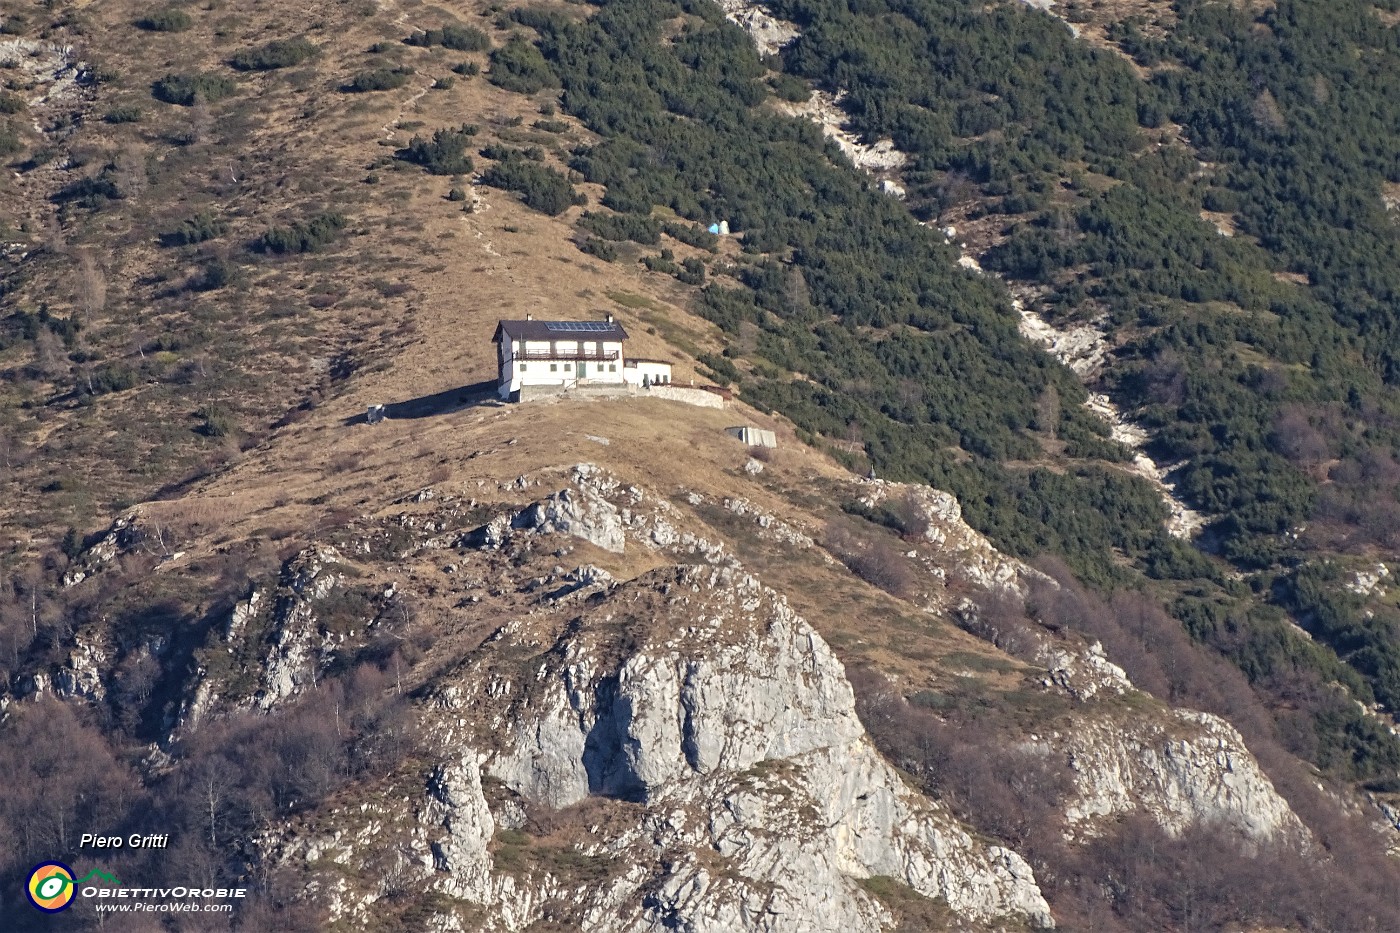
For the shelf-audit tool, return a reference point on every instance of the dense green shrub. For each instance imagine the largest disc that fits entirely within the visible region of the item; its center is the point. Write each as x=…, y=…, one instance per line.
x=107, y=378
x=664, y=262
x=197, y=229
x=691, y=272
x=542, y=188
x=379, y=79
x=185, y=89
x=518, y=66
x=9, y=141
x=457, y=38
x=723, y=371
x=691, y=235
x=1368, y=639
x=11, y=103
x=169, y=19
x=213, y=275
x=604, y=250
x=91, y=192
x=303, y=236
x=632, y=227
x=216, y=421
x=126, y=113
x=466, y=69
x=444, y=154
x=279, y=53
x=790, y=87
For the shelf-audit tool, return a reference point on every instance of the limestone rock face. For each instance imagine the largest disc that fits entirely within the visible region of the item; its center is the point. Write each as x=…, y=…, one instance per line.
x=1083, y=674
x=793, y=836
x=706, y=698
x=81, y=677
x=578, y=512
x=288, y=666
x=943, y=525
x=456, y=804
x=1190, y=768
x=768, y=33
x=243, y=612
x=119, y=538
x=729, y=717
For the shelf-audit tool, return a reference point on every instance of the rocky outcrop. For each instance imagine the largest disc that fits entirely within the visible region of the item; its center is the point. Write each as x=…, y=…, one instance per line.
x=768, y=33
x=1388, y=826
x=579, y=512
x=119, y=538
x=713, y=729
x=730, y=718
x=696, y=701
x=942, y=526
x=461, y=825
x=1367, y=581
x=599, y=509
x=81, y=677
x=243, y=612
x=794, y=835
x=1081, y=674
x=1181, y=768
x=294, y=653
x=698, y=704
x=768, y=526
x=51, y=73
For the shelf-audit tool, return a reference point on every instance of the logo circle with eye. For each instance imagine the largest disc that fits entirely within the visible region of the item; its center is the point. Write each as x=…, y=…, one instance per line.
x=50, y=887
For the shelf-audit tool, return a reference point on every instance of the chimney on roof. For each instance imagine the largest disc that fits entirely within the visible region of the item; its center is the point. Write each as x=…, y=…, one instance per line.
x=529, y=316
x=609, y=317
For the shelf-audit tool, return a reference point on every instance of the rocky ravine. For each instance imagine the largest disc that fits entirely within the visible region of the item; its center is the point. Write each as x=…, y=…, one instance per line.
x=717, y=732
x=1084, y=349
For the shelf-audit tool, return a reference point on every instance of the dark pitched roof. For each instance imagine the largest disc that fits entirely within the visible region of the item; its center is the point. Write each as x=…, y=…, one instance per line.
x=559, y=330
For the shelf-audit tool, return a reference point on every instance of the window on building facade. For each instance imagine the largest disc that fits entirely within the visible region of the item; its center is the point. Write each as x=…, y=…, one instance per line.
x=553, y=367
x=522, y=367
x=612, y=367
x=568, y=366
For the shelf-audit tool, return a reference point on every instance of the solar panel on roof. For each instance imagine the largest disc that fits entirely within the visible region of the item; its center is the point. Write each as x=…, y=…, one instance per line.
x=590, y=327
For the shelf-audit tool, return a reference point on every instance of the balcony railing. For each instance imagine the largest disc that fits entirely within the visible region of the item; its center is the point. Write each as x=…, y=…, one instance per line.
x=550, y=356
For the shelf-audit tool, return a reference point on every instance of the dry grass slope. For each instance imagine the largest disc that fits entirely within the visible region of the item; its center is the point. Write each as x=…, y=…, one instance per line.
x=399, y=306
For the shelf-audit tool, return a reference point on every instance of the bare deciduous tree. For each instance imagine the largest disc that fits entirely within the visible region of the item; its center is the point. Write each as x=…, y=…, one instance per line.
x=1295, y=438
x=13, y=452
x=911, y=515
x=55, y=241
x=1267, y=113
x=91, y=285
x=201, y=121
x=50, y=356
x=1047, y=411
x=131, y=173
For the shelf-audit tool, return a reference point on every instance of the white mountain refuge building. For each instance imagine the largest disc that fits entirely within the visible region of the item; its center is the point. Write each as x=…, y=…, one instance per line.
x=544, y=357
